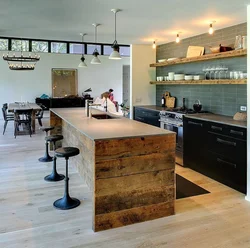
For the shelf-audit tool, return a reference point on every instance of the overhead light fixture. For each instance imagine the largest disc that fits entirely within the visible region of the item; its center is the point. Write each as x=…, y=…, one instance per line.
x=177, y=40
x=21, y=62
x=115, y=54
x=95, y=60
x=154, y=45
x=211, y=30
x=82, y=63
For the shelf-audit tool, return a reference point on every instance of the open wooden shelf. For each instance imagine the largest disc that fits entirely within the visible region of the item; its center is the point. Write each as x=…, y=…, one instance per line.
x=211, y=56
x=217, y=81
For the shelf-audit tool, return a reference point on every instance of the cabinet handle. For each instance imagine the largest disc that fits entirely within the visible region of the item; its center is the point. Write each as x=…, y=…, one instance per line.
x=236, y=132
x=227, y=163
x=225, y=142
x=195, y=123
x=216, y=128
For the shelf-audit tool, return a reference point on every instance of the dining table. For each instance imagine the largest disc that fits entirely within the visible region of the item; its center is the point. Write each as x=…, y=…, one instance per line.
x=23, y=105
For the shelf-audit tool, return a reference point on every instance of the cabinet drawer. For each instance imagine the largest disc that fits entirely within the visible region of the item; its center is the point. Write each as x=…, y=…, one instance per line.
x=231, y=131
x=228, y=171
x=227, y=146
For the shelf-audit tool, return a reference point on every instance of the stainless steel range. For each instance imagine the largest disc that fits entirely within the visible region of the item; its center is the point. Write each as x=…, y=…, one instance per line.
x=173, y=120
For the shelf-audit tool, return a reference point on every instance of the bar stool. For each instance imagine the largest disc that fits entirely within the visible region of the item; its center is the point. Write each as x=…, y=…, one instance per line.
x=54, y=176
x=66, y=202
x=46, y=157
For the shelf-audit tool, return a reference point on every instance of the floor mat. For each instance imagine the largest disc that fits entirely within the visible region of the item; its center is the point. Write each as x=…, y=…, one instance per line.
x=185, y=188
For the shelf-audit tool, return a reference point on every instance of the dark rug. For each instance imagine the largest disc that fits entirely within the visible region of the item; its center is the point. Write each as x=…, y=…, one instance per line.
x=185, y=188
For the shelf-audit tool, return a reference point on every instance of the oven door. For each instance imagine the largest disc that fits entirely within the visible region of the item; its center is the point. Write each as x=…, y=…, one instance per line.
x=179, y=140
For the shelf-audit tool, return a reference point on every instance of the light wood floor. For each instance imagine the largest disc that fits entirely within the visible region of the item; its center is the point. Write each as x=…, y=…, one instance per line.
x=220, y=219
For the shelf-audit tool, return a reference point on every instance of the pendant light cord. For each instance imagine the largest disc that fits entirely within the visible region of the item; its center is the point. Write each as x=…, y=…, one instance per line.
x=82, y=45
x=115, y=26
x=95, y=36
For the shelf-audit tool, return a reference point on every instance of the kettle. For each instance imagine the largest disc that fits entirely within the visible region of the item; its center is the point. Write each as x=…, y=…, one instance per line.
x=197, y=106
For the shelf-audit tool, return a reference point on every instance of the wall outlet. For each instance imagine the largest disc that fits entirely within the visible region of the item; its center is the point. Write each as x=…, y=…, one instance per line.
x=138, y=99
x=243, y=108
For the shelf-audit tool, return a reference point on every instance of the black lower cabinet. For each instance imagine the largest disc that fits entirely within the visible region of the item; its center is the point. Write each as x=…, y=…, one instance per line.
x=211, y=150
x=147, y=116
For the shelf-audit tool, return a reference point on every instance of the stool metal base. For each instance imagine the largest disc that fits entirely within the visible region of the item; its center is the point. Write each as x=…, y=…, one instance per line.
x=45, y=159
x=54, y=177
x=66, y=203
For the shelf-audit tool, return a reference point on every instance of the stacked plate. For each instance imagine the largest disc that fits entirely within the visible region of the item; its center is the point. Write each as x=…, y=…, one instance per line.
x=179, y=76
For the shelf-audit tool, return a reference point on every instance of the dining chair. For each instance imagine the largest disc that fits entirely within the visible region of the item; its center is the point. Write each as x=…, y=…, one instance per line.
x=22, y=116
x=6, y=118
x=39, y=116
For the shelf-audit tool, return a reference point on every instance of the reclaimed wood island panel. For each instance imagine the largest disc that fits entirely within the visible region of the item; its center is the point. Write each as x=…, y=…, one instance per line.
x=128, y=165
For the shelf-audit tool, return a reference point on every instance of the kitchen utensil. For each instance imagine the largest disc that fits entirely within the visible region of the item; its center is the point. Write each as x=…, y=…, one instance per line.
x=170, y=101
x=240, y=116
x=197, y=106
x=195, y=51
x=238, y=42
x=244, y=42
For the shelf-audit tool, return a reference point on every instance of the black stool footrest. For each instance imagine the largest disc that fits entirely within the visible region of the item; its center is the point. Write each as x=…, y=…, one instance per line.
x=66, y=203
x=54, y=177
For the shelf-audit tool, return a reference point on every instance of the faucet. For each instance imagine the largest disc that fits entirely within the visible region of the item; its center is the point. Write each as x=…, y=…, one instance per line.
x=89, y=104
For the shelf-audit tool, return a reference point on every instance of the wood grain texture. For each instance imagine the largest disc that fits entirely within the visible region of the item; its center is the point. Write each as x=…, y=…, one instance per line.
x=132, y=179
x=211, y=56
x=133, y=215
x=217, y=81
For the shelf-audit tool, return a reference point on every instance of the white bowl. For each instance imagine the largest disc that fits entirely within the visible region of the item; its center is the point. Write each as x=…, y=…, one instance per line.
x=161, y=60
x=198, y=77
x=179, y=77
x=188, y=77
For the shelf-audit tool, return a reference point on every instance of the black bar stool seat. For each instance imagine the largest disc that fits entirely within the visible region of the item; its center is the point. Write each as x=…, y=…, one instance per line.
x=66, y=202
x=46, y=157
x=54, y=176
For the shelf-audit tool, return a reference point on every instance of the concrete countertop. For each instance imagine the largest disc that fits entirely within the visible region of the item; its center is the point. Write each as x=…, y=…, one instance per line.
x=97, y=129
x=228, y=120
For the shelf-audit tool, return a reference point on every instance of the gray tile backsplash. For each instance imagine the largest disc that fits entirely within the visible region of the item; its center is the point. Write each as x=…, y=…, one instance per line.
x=219, y=99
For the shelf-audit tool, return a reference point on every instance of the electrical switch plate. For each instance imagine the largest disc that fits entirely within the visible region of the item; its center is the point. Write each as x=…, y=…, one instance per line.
x=243, y=108
x=138, y=99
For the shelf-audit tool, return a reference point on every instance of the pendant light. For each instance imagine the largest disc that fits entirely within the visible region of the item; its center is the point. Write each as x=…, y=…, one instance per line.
x=115, y=54
x=82, y=63
x=177, y=40
x=211, y=30
x=154, y=45
x=95, y=60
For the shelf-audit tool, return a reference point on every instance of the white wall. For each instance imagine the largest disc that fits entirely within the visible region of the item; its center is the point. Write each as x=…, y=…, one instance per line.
x=32, y=84
x=248, y=104
x=141, y=91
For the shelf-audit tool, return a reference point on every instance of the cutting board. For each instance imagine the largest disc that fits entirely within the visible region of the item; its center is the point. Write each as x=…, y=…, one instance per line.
x=195, y=51
x=170, y=101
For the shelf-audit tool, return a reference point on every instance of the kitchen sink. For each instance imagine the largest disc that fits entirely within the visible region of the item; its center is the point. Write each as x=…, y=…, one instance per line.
x=103, y=116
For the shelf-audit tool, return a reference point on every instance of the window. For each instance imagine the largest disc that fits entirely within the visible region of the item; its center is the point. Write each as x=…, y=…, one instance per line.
x=124, y=51
x=58, y=47
x=107, y=50
x=16, y=45
x=76, y=48
x=4, y=44
x=40, y=46
x=91, y=48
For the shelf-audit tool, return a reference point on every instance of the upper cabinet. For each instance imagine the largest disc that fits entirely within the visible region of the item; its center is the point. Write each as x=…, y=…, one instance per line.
x=212, y=56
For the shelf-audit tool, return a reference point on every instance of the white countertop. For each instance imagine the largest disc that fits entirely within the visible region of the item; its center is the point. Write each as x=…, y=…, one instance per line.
x=106, y=129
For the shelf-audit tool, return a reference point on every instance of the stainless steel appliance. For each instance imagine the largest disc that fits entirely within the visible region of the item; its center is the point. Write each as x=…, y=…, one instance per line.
x=172, y=121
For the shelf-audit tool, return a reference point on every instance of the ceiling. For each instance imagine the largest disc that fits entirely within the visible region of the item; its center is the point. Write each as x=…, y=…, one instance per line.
x=140, y=22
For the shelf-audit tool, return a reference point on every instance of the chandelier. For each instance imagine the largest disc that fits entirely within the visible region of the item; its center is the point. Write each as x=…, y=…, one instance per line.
x=21, y=62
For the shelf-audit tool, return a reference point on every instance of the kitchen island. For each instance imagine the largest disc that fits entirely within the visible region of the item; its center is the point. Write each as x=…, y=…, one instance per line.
x=129, y=166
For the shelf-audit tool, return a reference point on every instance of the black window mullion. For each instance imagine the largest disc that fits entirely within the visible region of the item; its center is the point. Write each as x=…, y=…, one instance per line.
x=30, y=45
x=102, y=49
x=49, y=46
x=9, y=44
x=67, y=47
